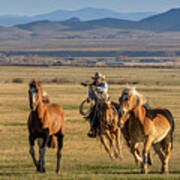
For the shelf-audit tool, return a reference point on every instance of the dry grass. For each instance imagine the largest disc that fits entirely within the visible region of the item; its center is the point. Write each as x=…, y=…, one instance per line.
x=83, y=158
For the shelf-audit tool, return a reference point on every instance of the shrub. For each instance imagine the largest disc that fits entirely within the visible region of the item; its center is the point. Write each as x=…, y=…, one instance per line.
x=17, y=80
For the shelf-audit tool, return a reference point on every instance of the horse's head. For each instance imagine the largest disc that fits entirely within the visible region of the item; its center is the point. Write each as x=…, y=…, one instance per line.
x=108, y=113
x=35, y=94
x=104, y=102
x=129, y=100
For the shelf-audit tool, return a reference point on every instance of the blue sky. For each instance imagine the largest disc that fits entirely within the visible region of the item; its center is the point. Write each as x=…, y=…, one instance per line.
x=33, y=7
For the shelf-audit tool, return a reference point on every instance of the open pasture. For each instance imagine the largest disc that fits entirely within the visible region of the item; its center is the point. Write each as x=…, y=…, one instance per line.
x=83, y=158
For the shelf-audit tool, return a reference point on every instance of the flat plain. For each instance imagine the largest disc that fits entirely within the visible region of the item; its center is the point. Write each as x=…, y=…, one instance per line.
x=83, y=158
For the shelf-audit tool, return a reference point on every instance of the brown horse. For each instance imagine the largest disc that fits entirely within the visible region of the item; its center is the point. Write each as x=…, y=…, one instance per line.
x=108, y=129
x=152, y=127
x=45, y=120
x=125, y=132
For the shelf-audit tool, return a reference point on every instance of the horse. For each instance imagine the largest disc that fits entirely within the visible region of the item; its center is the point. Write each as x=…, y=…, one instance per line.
x=125, y=133
x=45, y=121
x=105, y=116
x=152, y=127
x=108, y=128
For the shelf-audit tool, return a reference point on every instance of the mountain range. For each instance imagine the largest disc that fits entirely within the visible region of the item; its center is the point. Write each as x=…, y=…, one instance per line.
x=84, y=14
x=98, y=28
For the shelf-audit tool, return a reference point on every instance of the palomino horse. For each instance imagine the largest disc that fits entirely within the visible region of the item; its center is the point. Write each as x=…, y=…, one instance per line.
x=45, y=120
x=152, y=127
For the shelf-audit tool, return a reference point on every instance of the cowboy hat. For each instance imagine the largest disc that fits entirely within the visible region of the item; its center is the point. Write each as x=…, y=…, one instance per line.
x=98, y=75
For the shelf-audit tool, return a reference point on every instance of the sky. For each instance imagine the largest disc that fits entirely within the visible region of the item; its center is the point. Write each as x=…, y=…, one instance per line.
x=34, y=7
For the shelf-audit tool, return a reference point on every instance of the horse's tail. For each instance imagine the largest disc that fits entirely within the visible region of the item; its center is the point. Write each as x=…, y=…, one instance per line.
x=171, y=121
x=51, y=142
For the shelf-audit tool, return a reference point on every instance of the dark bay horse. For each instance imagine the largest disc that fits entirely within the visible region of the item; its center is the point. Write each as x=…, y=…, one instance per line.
x=152, y=127
x=45, y=121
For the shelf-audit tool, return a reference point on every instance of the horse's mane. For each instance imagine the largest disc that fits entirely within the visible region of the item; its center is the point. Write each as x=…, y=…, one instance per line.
x=33, y=83
x=139, y=96
x=45, y=98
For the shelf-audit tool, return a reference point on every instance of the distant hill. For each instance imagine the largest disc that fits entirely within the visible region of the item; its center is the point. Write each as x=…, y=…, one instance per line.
x=92, y=14
x=167, y=21
x=106, y=28
x=11, y=20
x=83, y=14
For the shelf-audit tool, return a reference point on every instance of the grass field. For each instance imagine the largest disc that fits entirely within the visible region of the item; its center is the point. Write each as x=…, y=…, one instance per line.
x=83, y=158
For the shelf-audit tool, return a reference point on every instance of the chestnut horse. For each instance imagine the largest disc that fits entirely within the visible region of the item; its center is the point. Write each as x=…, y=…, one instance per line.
x=152, y=127
x=45, y=120
x=106, y=115
x=108, y=128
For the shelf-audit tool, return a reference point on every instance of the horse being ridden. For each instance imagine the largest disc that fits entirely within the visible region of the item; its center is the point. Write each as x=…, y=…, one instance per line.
x=106, y=119
x=100, y=86
x=44, y=121
x=153, y=127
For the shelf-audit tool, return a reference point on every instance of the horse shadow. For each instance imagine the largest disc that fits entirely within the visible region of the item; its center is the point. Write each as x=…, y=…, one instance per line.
x=123, y=170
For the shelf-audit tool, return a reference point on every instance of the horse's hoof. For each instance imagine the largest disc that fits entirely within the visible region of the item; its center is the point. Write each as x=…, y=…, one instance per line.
x=43, y=170
x=112, y=158
x=164, y=171
x=144, y=171
x=121, y=158
x=38, y=168
x=149, y=162
x=116, y=155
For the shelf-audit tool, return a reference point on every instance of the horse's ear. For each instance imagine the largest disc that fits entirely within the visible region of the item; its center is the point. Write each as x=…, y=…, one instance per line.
x=109, y=98
x=134, y=90
x=127, y=86
x=39, y=84
x=108, y=101
x=31, y=83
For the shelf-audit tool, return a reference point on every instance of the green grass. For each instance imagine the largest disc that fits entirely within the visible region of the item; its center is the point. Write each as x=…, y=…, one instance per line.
x=83, y=158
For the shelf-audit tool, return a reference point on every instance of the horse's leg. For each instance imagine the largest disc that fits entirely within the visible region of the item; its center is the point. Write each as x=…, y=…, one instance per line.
x=59, y=149
x=137, y=154
x=113, y=147
x=106, y=146
x=42, y=148
x=110, y=138
x=147, y=145
x=149, y=159
x=31, y=150
x=167, y=154
x=118, y=144
x=157, y=149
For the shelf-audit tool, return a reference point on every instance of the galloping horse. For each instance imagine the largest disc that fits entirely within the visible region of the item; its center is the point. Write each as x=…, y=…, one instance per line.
x=45, y=120
x=152, y=127
x=107, y=116
x=108, y=119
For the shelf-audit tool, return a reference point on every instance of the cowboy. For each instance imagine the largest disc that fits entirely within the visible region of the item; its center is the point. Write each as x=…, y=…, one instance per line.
x=101, y=87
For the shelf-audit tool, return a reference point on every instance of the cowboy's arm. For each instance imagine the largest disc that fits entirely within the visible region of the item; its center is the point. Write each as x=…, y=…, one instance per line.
x=91, y=92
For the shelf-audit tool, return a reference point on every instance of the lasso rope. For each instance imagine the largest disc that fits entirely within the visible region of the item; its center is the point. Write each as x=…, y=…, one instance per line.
x=82, y=109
